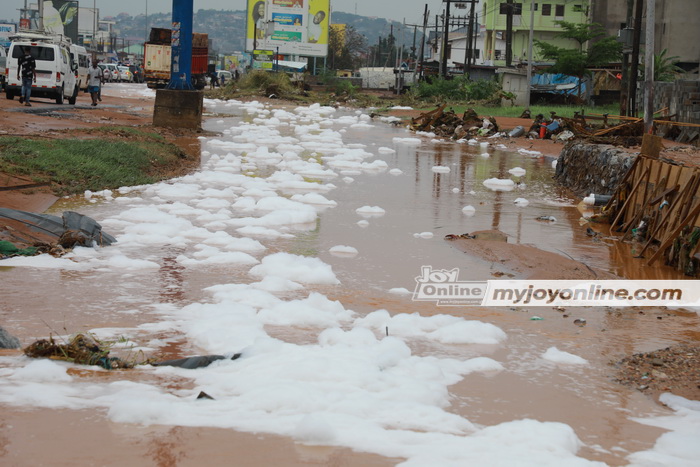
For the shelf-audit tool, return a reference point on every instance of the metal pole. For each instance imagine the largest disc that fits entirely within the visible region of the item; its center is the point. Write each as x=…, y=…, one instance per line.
x=649, y=68
x=93, y=42
x=529, y=54
x=146, y=35
x=41, y=16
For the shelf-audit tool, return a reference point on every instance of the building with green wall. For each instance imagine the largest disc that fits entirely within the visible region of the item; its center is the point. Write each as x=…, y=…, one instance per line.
x=494, y=25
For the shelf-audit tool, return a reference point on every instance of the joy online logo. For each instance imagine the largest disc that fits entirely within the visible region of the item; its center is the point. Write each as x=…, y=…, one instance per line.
x=444, y=287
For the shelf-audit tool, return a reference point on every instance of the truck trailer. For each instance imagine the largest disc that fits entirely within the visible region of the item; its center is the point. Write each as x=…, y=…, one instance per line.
x=157, y=57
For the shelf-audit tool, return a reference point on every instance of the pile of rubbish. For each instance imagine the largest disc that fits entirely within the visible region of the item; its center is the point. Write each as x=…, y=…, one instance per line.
x=81, y=349
x=449, y=125
x=27, y=234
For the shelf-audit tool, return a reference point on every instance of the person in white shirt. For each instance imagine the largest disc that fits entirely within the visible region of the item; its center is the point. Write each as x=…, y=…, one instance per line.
x=94, y=82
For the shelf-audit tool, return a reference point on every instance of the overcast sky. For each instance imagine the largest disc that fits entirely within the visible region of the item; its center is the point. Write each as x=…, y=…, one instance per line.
x=411, y=10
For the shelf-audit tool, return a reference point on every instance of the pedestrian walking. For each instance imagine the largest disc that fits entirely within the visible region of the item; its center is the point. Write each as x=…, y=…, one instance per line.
x=94, y=82
x=26, y=66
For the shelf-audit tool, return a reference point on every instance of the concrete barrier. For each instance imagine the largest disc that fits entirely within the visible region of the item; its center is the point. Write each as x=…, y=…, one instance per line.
x=178, y=109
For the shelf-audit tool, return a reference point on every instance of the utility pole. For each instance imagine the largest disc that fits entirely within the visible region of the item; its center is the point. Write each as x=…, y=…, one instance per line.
x=634, y=72
x=426, y=13
x=624, y=91
x=443, y=52
x=509, y=33
x=649, y=68
x=469, y=53
x=529, y=55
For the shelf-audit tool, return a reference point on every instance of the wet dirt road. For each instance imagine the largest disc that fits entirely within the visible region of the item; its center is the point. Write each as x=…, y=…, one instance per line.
x=37, y=301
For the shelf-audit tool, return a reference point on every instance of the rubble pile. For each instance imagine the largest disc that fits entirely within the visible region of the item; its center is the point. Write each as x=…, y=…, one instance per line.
x=448, y=124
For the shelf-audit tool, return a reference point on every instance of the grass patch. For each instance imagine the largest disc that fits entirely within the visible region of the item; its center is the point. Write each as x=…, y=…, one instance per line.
x=261, y=84
x=118, y=157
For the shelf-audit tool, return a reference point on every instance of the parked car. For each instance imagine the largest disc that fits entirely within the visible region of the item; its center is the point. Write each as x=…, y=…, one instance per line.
x=224, y=76
x=3, y=61
x=110, y=72
x=125, y=74
x=137, y=73
x=81, y=59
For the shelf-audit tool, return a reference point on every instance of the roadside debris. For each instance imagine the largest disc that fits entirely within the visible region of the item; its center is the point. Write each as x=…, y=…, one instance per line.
x=192, y=363
x=28, y=234
x=595, y=128
x=449, y=125
x=673, y=369
x=7, y=340
x=81, y=349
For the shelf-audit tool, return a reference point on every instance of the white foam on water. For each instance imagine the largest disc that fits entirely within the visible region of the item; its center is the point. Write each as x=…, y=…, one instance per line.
x=559, y=356
x=497, y=184
x=343, y=251
x=440, y=169
x=517, y=171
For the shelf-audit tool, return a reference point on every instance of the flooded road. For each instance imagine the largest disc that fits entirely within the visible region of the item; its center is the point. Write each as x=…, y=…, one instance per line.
x=243, y=256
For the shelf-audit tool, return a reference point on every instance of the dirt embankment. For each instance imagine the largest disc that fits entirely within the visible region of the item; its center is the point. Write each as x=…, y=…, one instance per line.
x=46, y=119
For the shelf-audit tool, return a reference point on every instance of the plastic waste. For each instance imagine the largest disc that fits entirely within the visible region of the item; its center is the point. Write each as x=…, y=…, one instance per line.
x=554, y=126
x=517, y=131
x=596, y=200
x=565, y=135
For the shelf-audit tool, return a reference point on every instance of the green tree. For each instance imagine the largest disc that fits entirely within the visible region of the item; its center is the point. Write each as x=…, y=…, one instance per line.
x=665, y=68
x=346, y=48
x=603, y=49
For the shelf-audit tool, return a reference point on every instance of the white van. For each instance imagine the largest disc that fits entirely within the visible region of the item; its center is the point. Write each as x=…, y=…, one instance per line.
x=3, y=69
x=80, y=57
x=55, y=72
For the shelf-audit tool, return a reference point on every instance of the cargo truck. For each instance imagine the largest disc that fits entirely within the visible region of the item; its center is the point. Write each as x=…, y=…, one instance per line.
x=157, y=53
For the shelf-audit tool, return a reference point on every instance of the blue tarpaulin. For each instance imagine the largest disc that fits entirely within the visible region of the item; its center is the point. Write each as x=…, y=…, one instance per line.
x=557, y=84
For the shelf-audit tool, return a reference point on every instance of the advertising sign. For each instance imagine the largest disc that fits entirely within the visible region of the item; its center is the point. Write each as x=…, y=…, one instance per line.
x=61, y=17
x=263, y=59
x=6, y=30
x=292, y=27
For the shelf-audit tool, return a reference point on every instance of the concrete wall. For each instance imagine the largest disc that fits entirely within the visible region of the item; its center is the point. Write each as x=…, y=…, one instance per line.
x=676, y=25
x=514, y=81
x=592, y=168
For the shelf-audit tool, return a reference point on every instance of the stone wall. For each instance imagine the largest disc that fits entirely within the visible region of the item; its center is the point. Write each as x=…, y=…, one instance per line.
x=592, y=168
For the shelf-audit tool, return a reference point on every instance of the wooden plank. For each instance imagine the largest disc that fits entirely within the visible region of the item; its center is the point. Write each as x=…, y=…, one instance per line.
x=629, y=197
x=652, y=146
x=626, y=177
x=672, y=236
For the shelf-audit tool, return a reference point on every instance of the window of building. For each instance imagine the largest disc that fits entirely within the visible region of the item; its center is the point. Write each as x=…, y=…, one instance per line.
x=577, y=8
x=546, y=9
x=476, y=53
x=497, y=54
x=559, y=11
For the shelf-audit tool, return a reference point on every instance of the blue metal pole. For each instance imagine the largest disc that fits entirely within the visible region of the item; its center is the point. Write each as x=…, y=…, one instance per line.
x=181, y=46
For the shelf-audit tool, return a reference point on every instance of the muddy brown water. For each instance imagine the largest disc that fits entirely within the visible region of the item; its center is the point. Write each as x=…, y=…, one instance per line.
x=36, y=302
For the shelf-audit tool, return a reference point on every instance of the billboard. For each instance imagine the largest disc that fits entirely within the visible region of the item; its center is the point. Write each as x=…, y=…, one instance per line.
x=294, y=27
x=7, y=30
x=61, y=17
